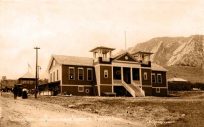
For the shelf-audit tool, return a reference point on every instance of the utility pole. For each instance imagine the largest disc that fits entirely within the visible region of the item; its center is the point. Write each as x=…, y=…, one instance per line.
x=36, y=72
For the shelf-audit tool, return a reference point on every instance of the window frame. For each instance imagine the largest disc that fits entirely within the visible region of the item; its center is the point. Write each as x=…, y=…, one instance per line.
x=155, y=81
x=80, y=90
x=105, y=72
x=87, y=91
x=158, y=90
x=81, y=68
x=89, y=69
x=158, y=78
x=73, y=73
x=145, y=76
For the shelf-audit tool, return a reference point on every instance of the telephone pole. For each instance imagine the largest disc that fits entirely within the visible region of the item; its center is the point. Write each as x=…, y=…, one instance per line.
x=36, y=72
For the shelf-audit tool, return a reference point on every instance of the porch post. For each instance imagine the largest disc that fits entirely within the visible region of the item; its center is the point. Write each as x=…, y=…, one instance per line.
x=140, y=76
x=131, y=78
x=112, y=80
x=122, y=74
x=99, y=87
x=60, y=77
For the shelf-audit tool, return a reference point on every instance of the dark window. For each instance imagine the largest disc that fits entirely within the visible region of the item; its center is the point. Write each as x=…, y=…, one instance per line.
x=89, y=74
x=81, y=73
x=145, y=75
x=159, y=78
x=153, y=78
x=117, y=73
x=71, y=73
x=136, y=74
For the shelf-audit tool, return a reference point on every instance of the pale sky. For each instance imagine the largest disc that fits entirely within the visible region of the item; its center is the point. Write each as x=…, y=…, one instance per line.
x=73, y=27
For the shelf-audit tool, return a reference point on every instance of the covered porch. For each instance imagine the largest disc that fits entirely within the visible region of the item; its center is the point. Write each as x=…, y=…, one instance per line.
x=52, y=88
x=127, y=80
x=129, y=75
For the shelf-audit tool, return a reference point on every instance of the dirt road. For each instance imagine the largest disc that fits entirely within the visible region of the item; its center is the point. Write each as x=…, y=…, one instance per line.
x=29, y=113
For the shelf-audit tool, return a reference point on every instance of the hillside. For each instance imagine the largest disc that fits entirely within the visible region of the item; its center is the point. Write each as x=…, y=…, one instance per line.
x=181, y=55
x=193, y=74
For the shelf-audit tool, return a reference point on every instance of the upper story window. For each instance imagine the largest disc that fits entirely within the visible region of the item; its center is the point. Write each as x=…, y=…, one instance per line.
x=71, y=73
x=89, y=74
x=153, y=78
x=145, y=75
x=159, y=78
x=105, y=73
x=80, y=73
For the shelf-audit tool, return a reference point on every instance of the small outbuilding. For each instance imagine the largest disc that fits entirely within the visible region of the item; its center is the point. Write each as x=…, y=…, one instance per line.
x=178, y=84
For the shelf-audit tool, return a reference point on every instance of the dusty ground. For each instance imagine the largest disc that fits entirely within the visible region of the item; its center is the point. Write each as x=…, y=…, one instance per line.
x=183, y=109
x=31, y=113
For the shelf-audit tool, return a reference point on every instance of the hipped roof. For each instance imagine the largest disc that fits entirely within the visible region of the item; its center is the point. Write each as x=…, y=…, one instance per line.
x=156, y=67
x=27, y=75
x=73, y=60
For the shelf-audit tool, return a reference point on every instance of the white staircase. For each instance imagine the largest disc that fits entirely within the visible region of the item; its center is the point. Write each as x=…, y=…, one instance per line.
x=133, y=89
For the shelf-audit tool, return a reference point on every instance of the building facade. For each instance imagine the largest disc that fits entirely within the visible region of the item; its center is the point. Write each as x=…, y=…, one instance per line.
x=27, y=81
x=124, y=74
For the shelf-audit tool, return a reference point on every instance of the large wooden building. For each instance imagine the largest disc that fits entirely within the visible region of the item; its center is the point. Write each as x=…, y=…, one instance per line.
x=124, y=74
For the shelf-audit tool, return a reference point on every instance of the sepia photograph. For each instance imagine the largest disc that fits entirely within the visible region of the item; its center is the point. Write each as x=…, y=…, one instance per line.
x=101, y=63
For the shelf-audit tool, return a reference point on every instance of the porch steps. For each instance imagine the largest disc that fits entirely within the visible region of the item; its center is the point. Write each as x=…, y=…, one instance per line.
x=134, y=90
x=138, y=91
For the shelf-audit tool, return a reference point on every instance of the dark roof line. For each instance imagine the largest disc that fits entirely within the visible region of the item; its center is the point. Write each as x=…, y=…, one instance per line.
x=102, y=47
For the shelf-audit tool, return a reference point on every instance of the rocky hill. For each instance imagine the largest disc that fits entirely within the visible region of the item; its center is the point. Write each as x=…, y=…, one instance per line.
x=168, y=51
x=176, y=52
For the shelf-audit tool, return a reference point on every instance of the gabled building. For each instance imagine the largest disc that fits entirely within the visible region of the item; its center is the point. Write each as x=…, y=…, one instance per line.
x=27, y=81
x=125, y=74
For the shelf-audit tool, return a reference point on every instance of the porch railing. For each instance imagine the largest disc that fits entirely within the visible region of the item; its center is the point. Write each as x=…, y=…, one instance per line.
x=139, y=91
x=128, y=88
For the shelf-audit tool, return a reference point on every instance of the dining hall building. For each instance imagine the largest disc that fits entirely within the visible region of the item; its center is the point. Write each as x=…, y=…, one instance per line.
x=122, y=75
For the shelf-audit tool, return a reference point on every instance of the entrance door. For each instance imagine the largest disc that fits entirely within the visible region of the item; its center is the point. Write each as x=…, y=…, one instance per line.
x=126, y=75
